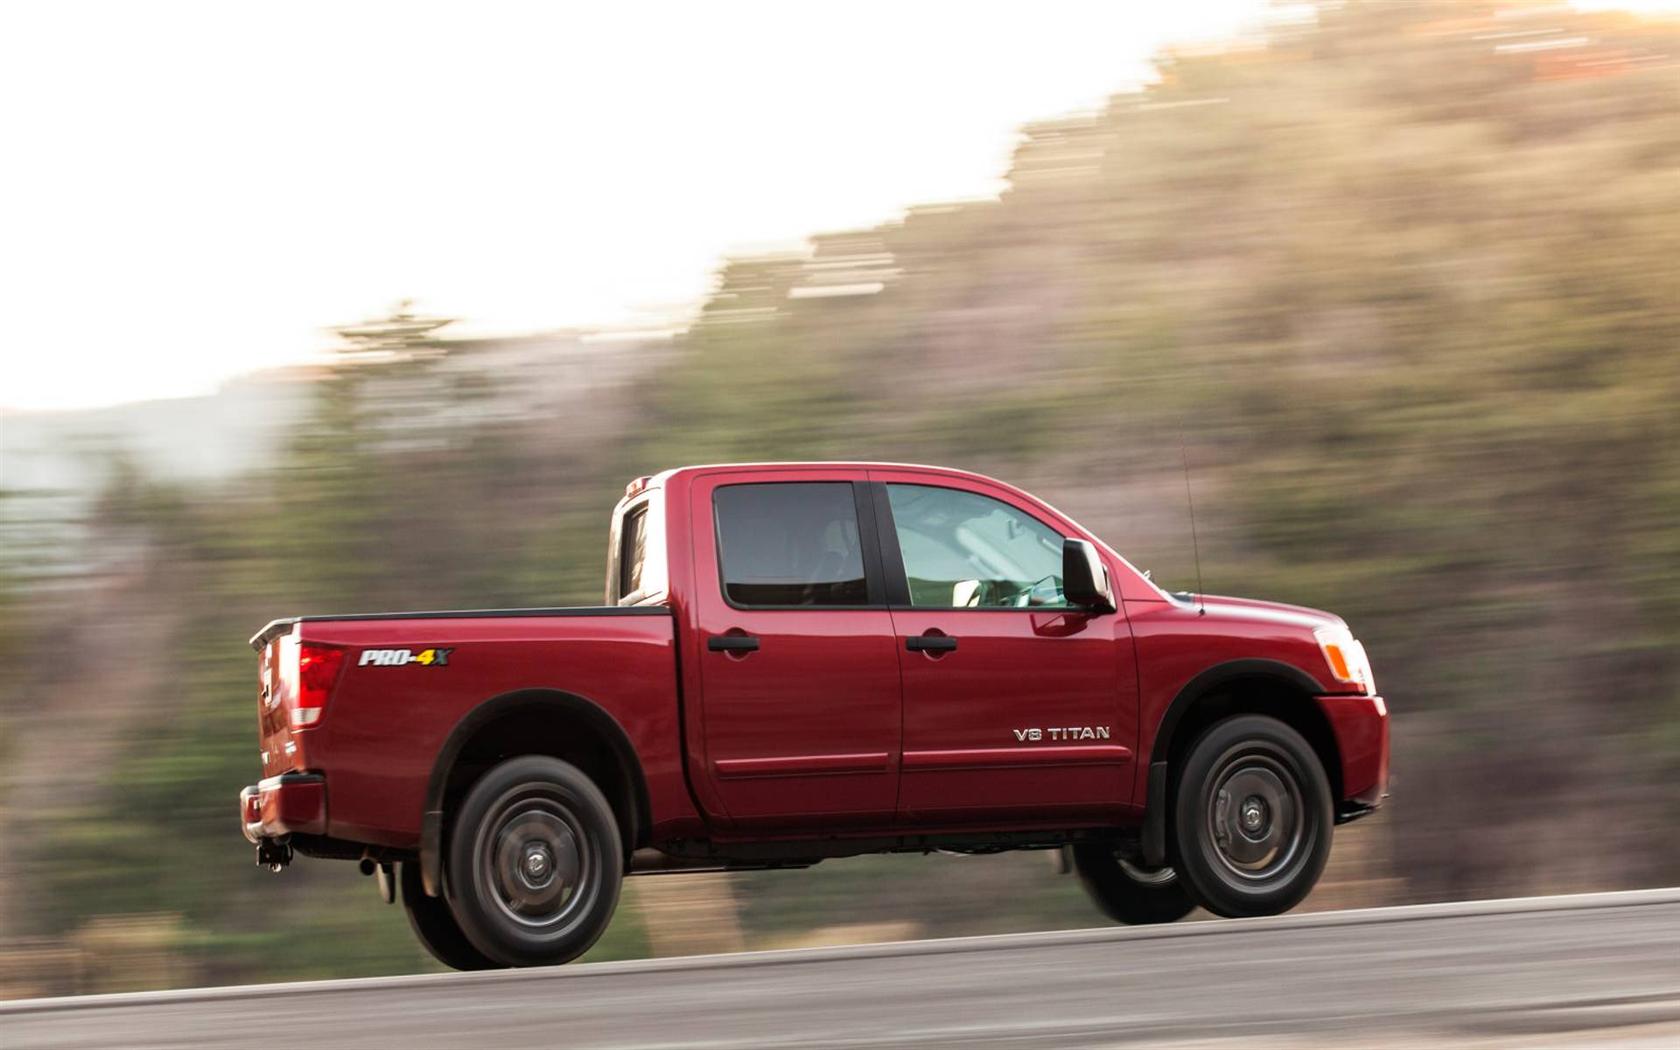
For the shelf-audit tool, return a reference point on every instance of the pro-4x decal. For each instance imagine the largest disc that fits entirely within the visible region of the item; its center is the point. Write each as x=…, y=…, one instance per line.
x=403, y=657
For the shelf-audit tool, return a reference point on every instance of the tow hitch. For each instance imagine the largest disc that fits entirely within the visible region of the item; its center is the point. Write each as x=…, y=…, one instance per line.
x=273, y=854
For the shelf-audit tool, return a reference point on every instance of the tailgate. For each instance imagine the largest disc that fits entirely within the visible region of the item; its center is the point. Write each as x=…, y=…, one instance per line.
x=274, y=733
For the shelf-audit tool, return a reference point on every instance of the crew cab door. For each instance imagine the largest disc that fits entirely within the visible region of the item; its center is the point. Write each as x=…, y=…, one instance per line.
x=1016, y=705
x=800, y=692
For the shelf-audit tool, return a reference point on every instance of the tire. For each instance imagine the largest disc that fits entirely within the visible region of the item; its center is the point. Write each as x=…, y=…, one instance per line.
x=535, y=862
x=1251, y=818
x=1127, y=894
x=434, y=924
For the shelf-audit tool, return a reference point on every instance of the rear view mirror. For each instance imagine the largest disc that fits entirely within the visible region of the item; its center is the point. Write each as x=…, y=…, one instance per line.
x=1084, y=580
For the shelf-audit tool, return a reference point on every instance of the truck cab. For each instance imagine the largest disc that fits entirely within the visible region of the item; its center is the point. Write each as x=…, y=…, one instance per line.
x=795, y=662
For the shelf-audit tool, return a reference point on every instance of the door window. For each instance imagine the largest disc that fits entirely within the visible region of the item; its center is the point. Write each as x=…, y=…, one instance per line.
x=790, y=544
x=963, y=550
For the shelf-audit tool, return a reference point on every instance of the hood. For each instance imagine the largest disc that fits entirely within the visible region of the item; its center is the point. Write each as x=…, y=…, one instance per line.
x=1255, y=610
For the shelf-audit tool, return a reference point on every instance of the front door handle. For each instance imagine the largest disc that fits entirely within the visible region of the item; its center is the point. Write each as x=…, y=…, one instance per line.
x=930, y=643
x=732, y=643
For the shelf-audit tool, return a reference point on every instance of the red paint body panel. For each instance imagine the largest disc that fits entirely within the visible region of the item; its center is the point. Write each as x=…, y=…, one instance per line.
x=831, y=727
x=1361, y=727
x=1177, y=641
x=1014, y=670
x=384, y=726
x=823, y=686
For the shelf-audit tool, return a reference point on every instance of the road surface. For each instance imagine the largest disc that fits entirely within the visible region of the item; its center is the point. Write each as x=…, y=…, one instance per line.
x=1593, y=970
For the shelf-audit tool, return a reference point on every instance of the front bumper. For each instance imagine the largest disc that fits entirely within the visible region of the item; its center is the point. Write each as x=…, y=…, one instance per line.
x=1360, y=724
x=283, y=805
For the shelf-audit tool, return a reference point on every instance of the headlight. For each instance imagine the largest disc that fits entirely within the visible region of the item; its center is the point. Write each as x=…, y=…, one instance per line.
x=1346, y=658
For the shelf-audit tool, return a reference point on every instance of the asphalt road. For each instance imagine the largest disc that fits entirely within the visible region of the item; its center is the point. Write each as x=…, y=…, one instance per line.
x=1594, y=970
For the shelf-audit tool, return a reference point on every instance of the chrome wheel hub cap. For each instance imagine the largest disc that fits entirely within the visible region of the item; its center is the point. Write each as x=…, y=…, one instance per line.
x=1256, y=820
x=537, y=863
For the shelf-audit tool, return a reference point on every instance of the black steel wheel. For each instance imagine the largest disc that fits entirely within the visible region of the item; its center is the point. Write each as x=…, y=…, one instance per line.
x=434, y=924
x=1127, y=892
x=535, y=862
x=1252, y=818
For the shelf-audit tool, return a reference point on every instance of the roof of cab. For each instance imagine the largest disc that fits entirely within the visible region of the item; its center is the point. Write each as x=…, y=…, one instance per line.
x=820, y=465
x=639, y=485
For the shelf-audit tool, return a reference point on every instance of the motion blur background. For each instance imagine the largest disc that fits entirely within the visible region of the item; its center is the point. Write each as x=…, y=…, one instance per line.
x=1403, y=278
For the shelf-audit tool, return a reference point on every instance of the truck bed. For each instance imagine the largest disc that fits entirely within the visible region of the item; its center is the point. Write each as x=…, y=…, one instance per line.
x=391, y=718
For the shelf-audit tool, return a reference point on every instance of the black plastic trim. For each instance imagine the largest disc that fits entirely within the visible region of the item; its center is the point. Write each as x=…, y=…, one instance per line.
x=892, y=557
x=432, y=817
x=1154, y=842
x=808, y=608
x=930, y=643
x=1156, y=803
x=1348, y=811
x=1218, y=675
x=863, y=498
x=798, y=852
x=281, y=780
x=323, y=847
x=732, y=643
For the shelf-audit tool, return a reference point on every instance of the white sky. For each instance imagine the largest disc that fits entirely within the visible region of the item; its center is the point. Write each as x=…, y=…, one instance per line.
x=192, y=191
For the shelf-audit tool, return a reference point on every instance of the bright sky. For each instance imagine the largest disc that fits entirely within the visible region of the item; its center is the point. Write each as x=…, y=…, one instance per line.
x=193, y=191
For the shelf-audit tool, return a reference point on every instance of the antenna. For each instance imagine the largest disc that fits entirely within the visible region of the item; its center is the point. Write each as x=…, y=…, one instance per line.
x=1195, y=544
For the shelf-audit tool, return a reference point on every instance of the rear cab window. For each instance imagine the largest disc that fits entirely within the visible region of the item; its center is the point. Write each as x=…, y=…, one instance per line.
x=632, y=551
x=790, y=545
x=636, y=567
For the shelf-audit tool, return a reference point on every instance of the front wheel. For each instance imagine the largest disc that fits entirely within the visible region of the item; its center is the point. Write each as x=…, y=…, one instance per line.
x=1252, y=817
x=535, y=862
x=1127, y=893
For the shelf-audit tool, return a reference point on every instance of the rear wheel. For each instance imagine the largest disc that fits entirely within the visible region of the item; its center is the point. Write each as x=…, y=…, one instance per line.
x=1252, y=818
x=535, y=862
x=434, y=924
x=1128, y=893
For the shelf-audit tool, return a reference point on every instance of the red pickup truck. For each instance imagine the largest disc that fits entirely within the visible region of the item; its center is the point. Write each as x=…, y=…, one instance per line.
x=804, y=661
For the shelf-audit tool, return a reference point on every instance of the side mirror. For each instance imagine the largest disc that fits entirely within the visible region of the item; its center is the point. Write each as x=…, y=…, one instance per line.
x=1084, y=580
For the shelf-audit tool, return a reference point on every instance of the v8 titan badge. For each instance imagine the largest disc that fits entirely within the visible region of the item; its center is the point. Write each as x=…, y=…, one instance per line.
x=404, y=657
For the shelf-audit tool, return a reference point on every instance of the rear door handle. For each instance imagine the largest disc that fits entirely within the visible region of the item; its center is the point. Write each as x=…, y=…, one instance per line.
x=930, y=643
x=732, y=643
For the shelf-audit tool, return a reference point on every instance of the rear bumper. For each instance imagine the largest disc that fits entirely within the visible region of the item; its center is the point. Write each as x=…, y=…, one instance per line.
x=1361, y=727
x=283, y=805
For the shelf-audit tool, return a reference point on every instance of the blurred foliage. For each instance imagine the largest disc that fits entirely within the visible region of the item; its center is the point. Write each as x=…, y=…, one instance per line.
x=1407, y=283
x=1407, y=289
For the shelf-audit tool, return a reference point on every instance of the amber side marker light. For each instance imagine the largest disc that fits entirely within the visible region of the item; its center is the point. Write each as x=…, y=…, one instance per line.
x=1346, y=658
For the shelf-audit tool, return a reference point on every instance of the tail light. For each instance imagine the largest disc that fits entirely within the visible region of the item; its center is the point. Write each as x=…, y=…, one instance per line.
x=317, y=671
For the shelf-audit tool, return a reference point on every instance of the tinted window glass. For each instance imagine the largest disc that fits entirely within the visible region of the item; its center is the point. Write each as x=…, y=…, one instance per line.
x=962, y=550
x=632, y=551
x=790, y=544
